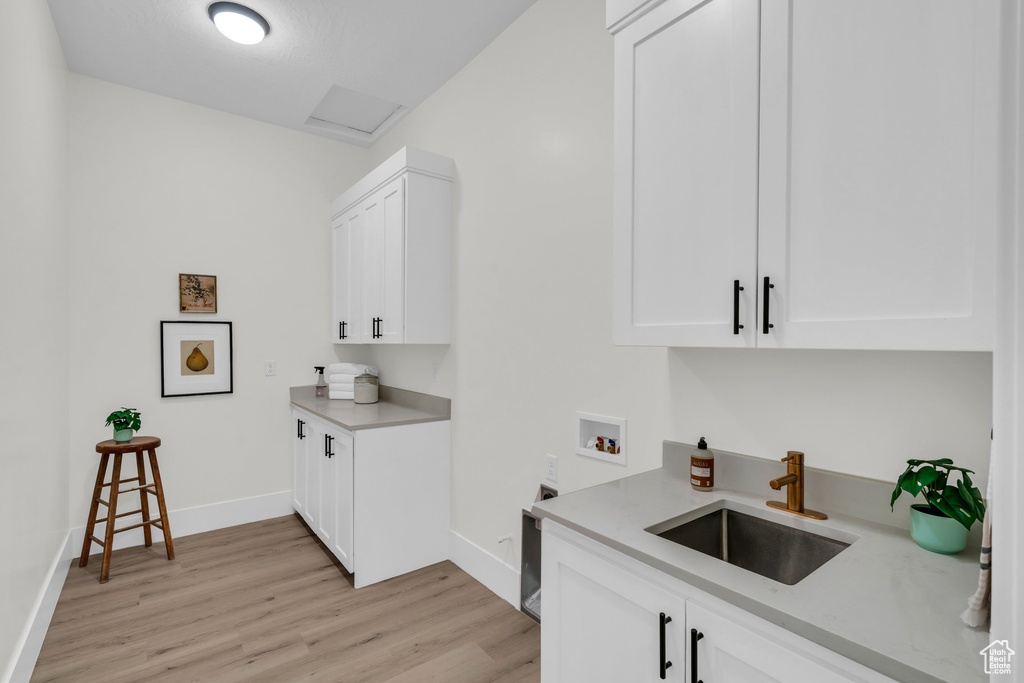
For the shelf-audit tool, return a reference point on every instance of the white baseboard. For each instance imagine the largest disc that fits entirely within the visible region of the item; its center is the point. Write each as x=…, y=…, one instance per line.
x=502, y=579
x=27, y=650
x=197, y=520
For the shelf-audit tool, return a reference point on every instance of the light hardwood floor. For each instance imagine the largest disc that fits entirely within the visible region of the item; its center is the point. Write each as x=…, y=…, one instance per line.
x=264, y=602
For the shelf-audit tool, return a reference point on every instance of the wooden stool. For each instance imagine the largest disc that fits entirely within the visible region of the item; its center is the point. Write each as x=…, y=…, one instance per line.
x=117, y=448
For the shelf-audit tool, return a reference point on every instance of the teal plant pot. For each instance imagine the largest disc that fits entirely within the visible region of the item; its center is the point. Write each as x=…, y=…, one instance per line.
x=122, y=435
x=936, y=532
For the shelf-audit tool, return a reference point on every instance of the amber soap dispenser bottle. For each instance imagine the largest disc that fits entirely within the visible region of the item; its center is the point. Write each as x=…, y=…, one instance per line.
x=702, y=467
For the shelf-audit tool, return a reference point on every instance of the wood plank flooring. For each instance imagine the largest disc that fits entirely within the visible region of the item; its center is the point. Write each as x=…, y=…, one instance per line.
x=265, y=602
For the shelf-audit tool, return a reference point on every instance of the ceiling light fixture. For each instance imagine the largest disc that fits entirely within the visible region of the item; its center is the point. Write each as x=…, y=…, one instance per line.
x=239, y=23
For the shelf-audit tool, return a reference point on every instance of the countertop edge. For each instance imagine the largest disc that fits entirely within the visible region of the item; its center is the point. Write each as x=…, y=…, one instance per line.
x=408, y=408
x=376, y=425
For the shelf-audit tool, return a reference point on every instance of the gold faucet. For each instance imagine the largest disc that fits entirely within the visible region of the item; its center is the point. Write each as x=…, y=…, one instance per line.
x=794, y=479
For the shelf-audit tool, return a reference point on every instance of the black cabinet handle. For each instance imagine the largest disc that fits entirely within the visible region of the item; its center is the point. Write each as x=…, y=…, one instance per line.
x=300, y=434
x=765, y=324
x=695, y=635
x=341, y=330
x=325, y=444
x=663, y=664
x=377, y=334
x=330, y=442
x=736, y=289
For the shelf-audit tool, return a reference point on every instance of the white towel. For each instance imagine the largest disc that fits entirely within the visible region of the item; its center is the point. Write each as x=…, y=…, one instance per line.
x=341, y=387
x=978, y=604
x=347, y=395
x=351, y=369
x=342, y=378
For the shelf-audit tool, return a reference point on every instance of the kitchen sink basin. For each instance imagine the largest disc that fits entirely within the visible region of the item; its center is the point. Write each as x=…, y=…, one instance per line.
x=776, y=551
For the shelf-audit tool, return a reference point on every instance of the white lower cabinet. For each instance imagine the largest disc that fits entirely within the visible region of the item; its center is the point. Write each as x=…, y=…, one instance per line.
x=609, y=618
x=381, y=494
x=602, y=624
x=303, y=436
x=333, y=518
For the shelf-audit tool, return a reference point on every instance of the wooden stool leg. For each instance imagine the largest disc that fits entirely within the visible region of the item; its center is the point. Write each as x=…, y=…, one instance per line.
x=143, y=498
x=108, y=543
x=90, y=526
x=163, y=506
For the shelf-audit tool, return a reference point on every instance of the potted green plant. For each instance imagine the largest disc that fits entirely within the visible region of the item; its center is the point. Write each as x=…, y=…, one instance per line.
x=125, y=421
x=942, y=523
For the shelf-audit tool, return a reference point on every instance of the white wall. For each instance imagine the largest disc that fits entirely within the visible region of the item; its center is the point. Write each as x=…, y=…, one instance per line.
x=34, y=311
x=529, y=124
x=159, y=187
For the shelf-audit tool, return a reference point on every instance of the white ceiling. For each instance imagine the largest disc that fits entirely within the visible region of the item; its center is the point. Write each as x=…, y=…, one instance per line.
x=325, y=62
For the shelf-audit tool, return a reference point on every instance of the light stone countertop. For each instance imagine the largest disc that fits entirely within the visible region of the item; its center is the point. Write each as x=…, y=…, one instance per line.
x=883, y=602
x=395, y=407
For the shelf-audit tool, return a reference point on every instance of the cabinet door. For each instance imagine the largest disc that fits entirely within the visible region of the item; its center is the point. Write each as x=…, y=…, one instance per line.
x=330, y=479
x=686, y=126
x=326, y=498
x=384, y=263
x=341, y=330
x=349, y=317
x=602, y=624
x=739, y=649
x=338, y=475
x=877, y=173
x=302, y=436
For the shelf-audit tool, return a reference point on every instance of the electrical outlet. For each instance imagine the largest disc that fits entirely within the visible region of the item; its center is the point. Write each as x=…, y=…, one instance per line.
x=552, y=467
x=270, y=368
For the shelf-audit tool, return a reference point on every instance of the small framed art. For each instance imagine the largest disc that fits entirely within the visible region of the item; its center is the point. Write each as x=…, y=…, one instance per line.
x=197, y=293
x=196, y=358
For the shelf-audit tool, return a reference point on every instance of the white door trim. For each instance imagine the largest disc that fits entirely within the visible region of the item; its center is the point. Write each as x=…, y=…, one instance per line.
x=1008, y=359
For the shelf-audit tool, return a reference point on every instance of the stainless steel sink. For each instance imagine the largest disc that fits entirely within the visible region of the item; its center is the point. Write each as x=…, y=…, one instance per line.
x=776, y=551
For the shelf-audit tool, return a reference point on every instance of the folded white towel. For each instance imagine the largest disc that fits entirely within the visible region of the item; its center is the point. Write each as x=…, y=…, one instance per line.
x=341, y=378
x=351, y=369
x=349, y=395
x=341, y=387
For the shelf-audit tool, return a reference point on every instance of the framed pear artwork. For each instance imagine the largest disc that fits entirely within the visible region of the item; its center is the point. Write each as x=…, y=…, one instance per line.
x=196, y=358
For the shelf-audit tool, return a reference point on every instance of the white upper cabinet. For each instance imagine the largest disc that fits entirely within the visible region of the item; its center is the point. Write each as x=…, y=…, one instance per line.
x=392, y=253
x=686, y=175
x=842, y=153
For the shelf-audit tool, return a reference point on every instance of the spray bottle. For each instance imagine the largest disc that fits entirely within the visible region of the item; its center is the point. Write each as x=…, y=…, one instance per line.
x=321, y=383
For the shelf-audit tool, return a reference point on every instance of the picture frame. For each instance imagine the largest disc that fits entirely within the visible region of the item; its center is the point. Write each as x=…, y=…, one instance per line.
x=196, y=358
x=197, y=293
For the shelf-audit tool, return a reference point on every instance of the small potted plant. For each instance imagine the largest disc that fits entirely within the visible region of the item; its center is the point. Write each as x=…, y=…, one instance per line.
x=125, y=421
x=942, y=523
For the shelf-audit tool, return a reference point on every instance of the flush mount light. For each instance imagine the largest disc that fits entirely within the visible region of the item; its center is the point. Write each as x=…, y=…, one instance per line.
x=239, y=23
